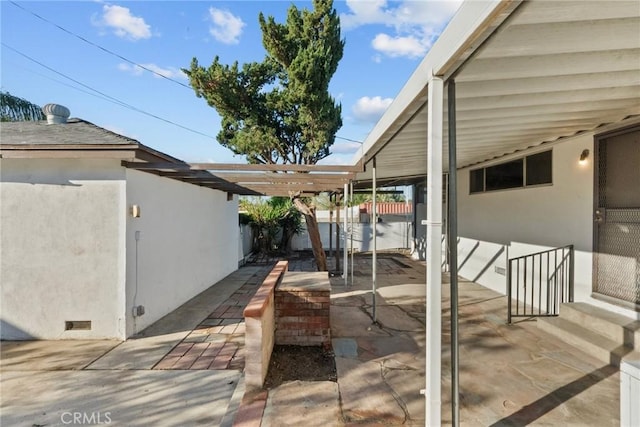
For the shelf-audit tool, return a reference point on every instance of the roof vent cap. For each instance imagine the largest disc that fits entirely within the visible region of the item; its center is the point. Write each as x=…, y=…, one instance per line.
x=56, y=113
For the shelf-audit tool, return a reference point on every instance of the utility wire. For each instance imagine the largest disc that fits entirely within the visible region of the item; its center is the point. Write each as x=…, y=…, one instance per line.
x=107, y=97
x=104, y=49
x=349, y=139
x=110, y=98
x=60, y=82
x=110, y=52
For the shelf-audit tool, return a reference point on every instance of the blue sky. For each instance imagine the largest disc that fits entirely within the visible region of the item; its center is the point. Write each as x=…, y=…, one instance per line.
x=385, y=41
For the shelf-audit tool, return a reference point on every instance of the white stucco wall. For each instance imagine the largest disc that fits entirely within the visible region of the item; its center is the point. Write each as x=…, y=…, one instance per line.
x=548, y=215
x=246, y=240
x=188, y=240
x=391, y=235
x=62, y=248
x=531, y=219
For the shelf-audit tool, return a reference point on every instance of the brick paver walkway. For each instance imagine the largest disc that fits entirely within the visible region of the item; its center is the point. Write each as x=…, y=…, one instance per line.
x=218, y=341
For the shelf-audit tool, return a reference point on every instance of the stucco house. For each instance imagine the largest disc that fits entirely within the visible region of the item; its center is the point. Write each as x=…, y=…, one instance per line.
x=90, y=248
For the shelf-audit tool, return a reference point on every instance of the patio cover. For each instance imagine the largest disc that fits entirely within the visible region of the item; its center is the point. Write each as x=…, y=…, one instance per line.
x=526, y=73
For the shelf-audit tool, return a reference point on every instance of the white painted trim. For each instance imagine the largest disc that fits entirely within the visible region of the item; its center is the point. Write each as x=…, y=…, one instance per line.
x=434, y=251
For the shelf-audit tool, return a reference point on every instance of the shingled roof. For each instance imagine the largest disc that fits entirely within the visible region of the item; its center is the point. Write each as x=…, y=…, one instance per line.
x=79, y=138
x=76, y=132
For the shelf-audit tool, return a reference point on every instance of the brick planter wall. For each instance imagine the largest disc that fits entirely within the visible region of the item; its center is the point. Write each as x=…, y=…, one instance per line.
x=259, y=328
x=302, y=309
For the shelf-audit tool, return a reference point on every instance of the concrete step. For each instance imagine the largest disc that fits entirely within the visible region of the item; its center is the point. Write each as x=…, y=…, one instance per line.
x=592, y=343
x=621, y=329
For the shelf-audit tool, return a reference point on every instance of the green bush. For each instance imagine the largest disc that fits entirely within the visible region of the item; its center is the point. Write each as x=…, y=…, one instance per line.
x=269, y=218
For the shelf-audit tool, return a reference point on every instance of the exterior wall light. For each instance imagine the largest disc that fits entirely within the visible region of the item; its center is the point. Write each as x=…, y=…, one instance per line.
x=584, y=156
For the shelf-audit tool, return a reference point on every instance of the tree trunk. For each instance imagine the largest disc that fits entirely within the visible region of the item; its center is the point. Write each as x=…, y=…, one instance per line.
x=285, y=241
x=314, y=233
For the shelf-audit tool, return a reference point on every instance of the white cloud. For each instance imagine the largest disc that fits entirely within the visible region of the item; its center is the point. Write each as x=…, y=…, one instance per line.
x=408, y=46
x=123, y=23
x=363, y=12
x=345, y=147
x=415, y=24
x=337, y=160
x=226, y=28
x=169, y=72
x=370, y=109
x=404, y=13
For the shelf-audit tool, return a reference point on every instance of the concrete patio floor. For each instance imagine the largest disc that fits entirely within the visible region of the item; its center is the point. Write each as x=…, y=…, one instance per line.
x=510, y=375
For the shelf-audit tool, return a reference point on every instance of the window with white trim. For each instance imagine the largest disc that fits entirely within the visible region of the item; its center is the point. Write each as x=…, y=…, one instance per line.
x=527, y=171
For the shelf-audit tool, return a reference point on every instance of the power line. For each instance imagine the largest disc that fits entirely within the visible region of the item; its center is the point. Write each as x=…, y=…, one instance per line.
x=111, y=98
x=117, y=55
x=60, y=82
x=104, y=49
x=97, y=94
x=349, y=139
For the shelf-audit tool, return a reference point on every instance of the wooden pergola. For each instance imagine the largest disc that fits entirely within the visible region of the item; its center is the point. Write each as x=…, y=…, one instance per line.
x=256, y=179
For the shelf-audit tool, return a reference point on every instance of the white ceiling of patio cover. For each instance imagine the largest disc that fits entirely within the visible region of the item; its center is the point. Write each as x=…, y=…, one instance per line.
x=551, y=70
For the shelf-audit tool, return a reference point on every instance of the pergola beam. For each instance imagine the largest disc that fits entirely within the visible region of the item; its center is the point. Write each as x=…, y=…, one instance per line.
x=291, y=177
x=245, y=179
x=277, y=168
x=268, y=188
x=334, y=181
x=242, y=167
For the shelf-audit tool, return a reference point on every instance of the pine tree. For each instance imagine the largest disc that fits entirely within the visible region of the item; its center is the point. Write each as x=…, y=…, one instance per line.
x=279, y=111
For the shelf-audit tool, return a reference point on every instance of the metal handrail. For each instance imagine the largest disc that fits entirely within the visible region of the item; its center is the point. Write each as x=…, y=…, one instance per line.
x=553, y=273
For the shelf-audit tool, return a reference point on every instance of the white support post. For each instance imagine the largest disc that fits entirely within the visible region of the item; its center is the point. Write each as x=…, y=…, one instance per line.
x=351, y=234
x=345, y=270
x=374, y=230
x=434, y=252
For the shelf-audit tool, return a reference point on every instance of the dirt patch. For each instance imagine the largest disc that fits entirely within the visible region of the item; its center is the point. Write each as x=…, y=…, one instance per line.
x=304, y=363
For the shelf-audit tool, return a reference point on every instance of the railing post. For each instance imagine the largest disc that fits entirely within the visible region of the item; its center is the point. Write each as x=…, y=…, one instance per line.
x=508, y=290
x=556, y=300
x=571, y=271
x=548, y=280
x=517, y=285
x=540, y=284
x=524, y=286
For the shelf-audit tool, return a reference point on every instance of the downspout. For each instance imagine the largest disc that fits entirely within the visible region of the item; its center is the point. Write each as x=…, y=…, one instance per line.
x=452, y=222
x=434, y=252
